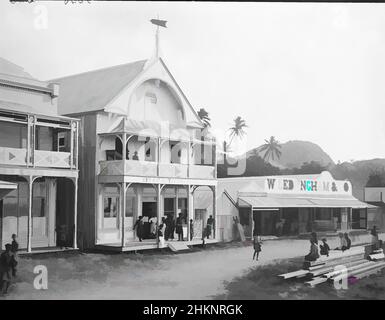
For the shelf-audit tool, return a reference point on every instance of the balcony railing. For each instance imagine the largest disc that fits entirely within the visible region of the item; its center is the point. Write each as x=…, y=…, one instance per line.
x=13, y=156
x=52, y=159
x=48, y=159
x=150, y=169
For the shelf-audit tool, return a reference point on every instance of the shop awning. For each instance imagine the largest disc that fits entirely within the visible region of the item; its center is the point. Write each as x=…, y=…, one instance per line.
x=270, y=203
x=340, y=203
x=6, y=187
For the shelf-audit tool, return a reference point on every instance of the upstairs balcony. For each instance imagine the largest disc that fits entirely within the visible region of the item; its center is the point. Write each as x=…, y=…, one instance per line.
x=37, y=142
x=157, y=157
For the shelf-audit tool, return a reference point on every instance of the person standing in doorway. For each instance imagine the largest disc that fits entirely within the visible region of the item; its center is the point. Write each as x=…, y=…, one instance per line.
x=153, y=222
x=139, y=225
x=167, y=223
x=135, y=156
x=161, y=229
x=210, y=226
x=172, y=227
x=179, y=227
x=191, y=229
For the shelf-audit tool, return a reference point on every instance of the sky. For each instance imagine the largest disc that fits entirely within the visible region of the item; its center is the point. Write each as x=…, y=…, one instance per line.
x=296, y=71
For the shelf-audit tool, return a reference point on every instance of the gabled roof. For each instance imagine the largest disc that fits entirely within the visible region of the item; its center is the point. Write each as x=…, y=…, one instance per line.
x=10, y=68
x=91, y=91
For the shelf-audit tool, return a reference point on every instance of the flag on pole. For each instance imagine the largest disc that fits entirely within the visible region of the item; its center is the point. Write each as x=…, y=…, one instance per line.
x=160, y=23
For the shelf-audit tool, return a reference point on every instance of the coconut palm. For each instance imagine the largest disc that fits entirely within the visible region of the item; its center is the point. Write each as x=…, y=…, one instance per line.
x=238, y=129
x=271, y=148
x=204, y=116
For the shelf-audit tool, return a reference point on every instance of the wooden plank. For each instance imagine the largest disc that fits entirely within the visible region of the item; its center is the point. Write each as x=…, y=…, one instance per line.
x=377, y=256
x=372, y=265
x=294, y=274
x=178, y=246
x=330, y=268
x=316, y=281
x=337, y=273
x=368, y=273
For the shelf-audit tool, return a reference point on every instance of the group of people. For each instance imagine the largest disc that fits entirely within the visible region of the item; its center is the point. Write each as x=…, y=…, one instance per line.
x=168, y=227
x=8, y=263
x=314, y=254
x=134, y=157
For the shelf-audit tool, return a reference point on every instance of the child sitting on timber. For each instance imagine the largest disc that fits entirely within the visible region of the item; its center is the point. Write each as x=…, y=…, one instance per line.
x=324, y=248
x=313, y=254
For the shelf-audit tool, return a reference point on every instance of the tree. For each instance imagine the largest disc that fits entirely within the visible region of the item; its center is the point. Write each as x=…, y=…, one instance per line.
x=204, y=116
x=237, y=130
x=271, y=149
x=312, y=167
x=376, y=179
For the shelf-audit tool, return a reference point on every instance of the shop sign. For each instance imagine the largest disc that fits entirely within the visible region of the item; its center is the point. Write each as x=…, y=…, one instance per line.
x=274, y=184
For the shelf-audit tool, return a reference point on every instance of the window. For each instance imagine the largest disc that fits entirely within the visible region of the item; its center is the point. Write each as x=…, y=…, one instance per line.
x=169, y=206
x=13, y=135
x=359, y=219
x=130, y=202
x=44, y=138
x=110, y=207
x=39, y=199
x=182, y=206
x=151, y=97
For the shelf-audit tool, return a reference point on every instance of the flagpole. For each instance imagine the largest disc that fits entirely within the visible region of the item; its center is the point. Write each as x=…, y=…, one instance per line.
x=157, y=42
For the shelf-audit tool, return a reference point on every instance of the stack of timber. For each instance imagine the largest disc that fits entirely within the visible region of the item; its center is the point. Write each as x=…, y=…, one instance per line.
x=339, y=265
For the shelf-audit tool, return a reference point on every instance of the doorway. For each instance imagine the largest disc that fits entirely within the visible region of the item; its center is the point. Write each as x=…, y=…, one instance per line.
x=149, y=210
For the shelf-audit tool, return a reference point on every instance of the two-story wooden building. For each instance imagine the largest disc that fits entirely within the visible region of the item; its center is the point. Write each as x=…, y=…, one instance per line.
x=141, y=153
x=38, y=155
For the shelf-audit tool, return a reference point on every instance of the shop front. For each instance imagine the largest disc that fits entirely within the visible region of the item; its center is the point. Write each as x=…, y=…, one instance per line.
x=293, y=205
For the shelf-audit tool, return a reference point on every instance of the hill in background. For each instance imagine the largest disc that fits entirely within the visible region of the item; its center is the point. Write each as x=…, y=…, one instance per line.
x=295, y=153
x=304, y=157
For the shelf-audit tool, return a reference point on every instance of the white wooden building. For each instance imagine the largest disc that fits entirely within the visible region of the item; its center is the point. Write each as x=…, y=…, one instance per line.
x=38, y=154
x=140, y=149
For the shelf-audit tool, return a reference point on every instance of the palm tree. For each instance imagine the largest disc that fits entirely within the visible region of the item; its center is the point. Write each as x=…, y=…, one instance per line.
x=271, y=148
x=204, y=116
x=237, y=130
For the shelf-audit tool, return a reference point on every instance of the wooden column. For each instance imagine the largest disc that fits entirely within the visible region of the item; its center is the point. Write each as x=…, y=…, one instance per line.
x=158, y=216
x=29, y=221
x=29, y=144
x=72, y=144
x=33, y=146
x=190, y=207
x=123, y=190
x=77, y=145
x=158, y=158
x=188, y=158
x=214, y=188
x=75, y=244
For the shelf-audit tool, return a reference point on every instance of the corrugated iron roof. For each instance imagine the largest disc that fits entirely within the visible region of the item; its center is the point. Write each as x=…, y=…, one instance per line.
x=91, y=91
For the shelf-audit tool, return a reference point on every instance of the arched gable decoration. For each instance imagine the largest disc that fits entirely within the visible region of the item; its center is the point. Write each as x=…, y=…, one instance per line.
x=154, y=71
x=154, y=95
